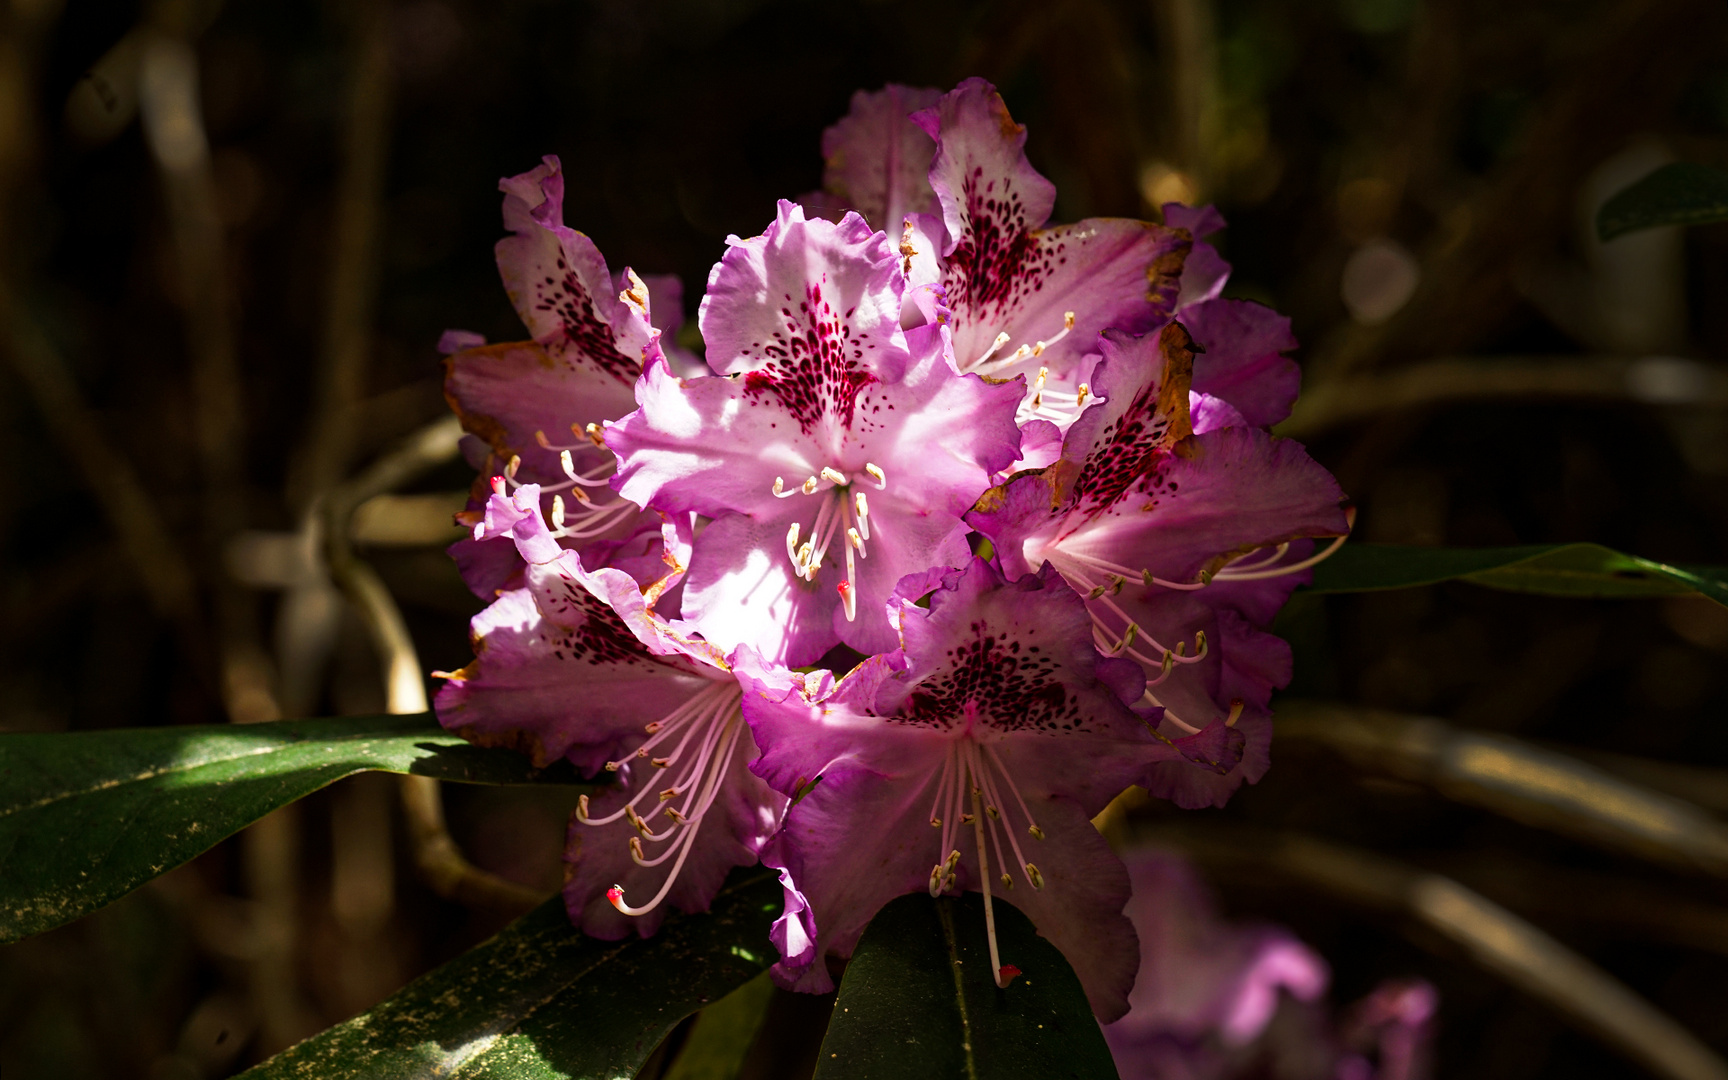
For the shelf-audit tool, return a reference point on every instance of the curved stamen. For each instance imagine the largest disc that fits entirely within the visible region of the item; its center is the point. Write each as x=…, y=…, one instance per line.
x=1280, y=571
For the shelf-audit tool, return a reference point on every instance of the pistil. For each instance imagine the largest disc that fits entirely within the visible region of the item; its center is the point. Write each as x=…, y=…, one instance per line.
x=844, y=513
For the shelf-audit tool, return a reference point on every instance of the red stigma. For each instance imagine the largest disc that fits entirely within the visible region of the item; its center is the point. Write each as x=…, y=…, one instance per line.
x=498, y=486
x=844, y=587
x=616, y=895
x=1006, y=973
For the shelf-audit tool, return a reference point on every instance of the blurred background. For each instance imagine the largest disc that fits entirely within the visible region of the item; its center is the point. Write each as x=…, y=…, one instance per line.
x=231, y=235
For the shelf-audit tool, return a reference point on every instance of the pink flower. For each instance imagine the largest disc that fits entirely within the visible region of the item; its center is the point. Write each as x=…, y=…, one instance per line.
x=834, y=451
x=1154, y=511
x=576, y=664
x=973, y=758
x=534, y=407
x=1217, y=1000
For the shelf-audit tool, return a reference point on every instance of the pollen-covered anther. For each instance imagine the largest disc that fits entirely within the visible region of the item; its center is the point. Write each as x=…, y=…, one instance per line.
x=596, y=435
x=511, y=468
x=855, y=540
x=1081, y=393
x=834, y=476
x=780, y=491
x=674, y=813
x=876, y=474
x=661, y=762
x=581, y=808
x=809, y=486
x=995, y=814
x=1035, y=876
x=653, y=727
x=1035, y=831
x=669, y=793
x=636, y=849
x=1007, y=882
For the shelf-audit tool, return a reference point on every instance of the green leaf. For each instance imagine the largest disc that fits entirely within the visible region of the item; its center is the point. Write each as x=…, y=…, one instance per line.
x=541, y=1001
x=919, y=999
x=1583, y=570
x=86, y=817
x=723, y=1033
x=1679, y=194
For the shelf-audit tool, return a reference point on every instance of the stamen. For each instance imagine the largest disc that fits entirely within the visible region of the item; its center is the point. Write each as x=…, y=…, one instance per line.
x=557, y=512
x=863, y=508
x=1033, y=875
x=1081, y=392
x=834, y=476
x=792, y=544
x=1001, y=340
x=877, y=474
x=780, y=491
x=595, y=434
x=809, y=486
x=515, y=464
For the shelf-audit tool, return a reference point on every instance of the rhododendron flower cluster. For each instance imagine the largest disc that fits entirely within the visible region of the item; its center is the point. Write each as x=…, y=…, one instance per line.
x=963, y=525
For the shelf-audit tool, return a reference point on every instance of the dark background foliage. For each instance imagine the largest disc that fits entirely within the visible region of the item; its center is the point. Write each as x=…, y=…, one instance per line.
x=1461, y=143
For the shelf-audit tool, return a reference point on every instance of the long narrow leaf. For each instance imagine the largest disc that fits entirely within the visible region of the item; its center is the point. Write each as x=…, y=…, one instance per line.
x=542, y=1002
x=1683, y=193
x=1583, y=570
x=920, y=999
x=85, y=817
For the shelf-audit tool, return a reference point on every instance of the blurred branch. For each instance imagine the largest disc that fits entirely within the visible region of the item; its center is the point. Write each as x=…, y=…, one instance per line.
x=441, y=864
x=1495, y=938
x=354, y=254
x=1190, y=43
x=162, y=570
x=174, y=131
x=1651, y=380
x=1537, y=787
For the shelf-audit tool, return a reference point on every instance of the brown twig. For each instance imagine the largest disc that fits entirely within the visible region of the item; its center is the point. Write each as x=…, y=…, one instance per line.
x=162, y=570
x=354, y=255
x=441, y=863
x=1539, y=787
x=1649, y=380
x=1498, y=940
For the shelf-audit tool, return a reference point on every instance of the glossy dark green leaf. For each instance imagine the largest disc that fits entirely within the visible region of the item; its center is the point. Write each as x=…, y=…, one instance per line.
x=1583, y=570
x=720, y=1040
x=86, y=817
x=919, y=999
x=1679, y=194
x=541, y=1001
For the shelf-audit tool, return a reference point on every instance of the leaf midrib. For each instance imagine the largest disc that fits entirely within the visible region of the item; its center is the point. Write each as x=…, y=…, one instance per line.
x=946, y=915
x=194, y=766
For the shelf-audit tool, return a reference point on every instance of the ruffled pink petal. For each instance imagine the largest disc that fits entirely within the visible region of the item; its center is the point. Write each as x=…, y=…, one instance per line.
x=1005, y=274
x=559, y=283
x=809, y=309
x=579, y=688
x=1245, y=362
x=878, y=160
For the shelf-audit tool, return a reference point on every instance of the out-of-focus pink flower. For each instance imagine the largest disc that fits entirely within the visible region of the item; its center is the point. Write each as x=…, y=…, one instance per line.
x=1217, y=1000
